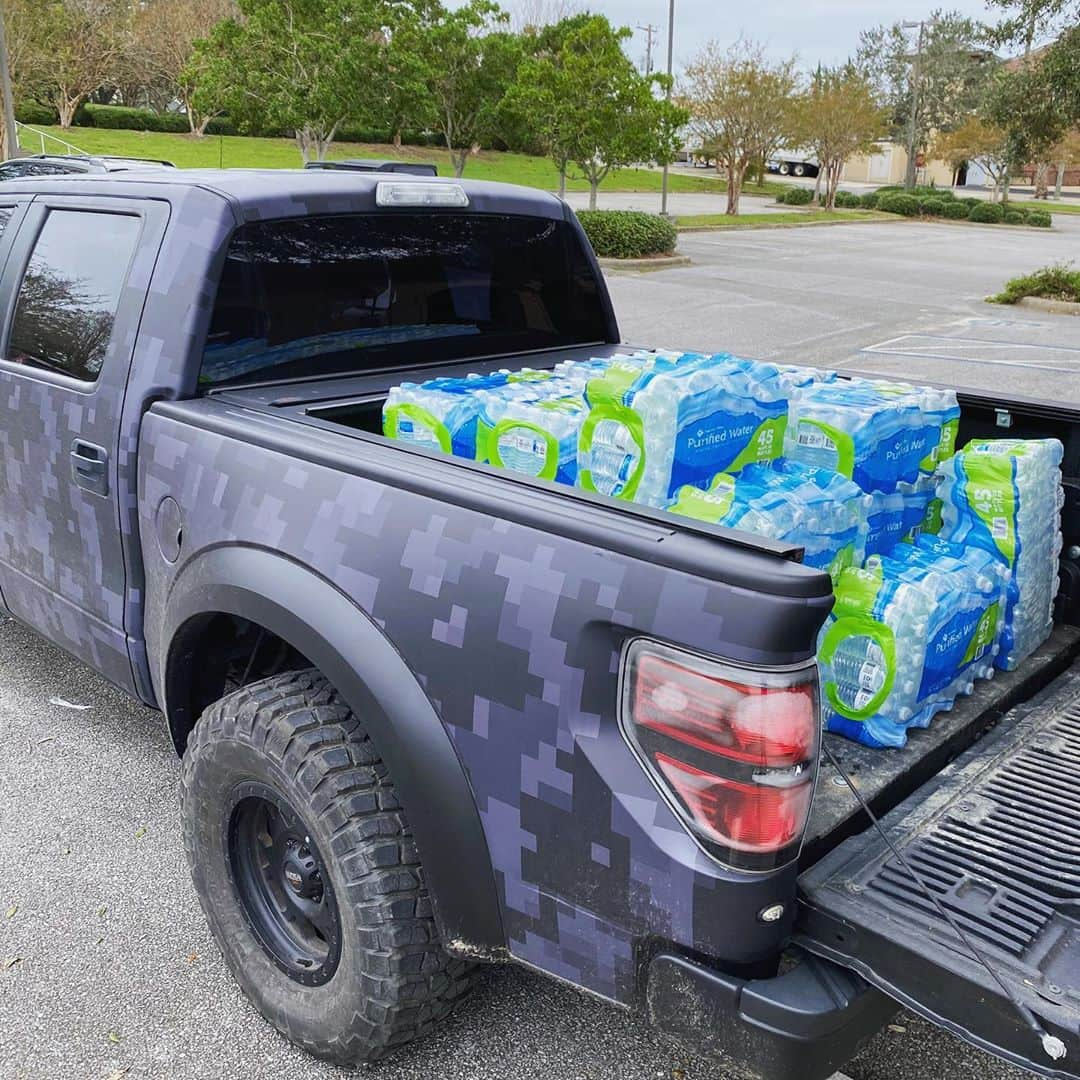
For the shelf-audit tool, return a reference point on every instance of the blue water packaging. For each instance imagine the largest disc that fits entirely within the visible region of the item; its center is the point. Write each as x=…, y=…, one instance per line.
x=681, y=423
x=907, y=635
x=1005, y=497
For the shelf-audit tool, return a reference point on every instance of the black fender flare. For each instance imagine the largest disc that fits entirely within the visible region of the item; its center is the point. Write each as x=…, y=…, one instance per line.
x=338, y=637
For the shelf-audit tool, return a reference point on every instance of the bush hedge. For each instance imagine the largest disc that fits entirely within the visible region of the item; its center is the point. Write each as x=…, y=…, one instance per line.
x=869, y=201
x=798, y=196
x=848, y=201
x=1058, y=282
x=1015, y=217
x=933, y=207
x=1041, y=219
x=955, y=210
x=35, y=114
x=924, y=191
x=121, y=117
x=908, y=205
x=628, y=234
x=987, y=213
x=970, y=202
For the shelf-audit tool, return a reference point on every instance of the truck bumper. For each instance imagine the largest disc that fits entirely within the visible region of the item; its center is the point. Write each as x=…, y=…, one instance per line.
x=806, y=1022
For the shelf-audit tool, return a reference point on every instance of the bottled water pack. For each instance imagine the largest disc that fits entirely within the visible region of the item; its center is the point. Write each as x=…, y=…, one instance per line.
x=1005, y=497
x=681, y=423
x=898, y=515
x=878, y=434
x=820, y=511
x=910, y=631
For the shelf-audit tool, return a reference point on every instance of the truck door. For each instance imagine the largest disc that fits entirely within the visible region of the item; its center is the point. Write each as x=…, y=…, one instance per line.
x=71, y=295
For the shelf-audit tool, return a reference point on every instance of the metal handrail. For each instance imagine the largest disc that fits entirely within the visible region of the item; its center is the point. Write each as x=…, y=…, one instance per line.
x=45, y=136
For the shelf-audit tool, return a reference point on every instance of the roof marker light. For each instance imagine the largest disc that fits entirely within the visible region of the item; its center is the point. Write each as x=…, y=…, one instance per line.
x=396, y=193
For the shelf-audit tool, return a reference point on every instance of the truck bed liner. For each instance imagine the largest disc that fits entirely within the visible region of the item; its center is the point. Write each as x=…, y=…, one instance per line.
x=997, y=838
x=885, y=777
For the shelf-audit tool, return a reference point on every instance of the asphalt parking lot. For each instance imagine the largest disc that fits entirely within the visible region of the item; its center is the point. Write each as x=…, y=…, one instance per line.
x=106, y=967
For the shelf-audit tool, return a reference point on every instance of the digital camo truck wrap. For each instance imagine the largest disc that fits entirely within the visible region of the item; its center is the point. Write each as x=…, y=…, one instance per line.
x=515, y=634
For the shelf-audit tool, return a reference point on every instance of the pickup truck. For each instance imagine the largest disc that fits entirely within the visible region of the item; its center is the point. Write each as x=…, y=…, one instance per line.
x=433, y=714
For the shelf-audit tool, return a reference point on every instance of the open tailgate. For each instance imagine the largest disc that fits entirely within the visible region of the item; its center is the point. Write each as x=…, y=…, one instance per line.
x=997, y=837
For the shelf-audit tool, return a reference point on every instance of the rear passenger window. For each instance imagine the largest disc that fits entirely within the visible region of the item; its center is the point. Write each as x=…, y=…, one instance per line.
x=71, y=291
x=5, y=217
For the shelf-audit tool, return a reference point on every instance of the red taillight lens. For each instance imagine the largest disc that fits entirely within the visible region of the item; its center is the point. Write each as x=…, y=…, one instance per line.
x=747, y=817
x=758, y=724
x=735, y=749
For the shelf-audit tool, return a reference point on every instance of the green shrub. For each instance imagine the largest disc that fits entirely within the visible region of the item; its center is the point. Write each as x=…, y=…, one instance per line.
x=1041, y=219
x=119, y=117
x=221, y=125
x=897, y=203
x=923, y=191
x=848, y=201
x=35, y=114
x=1058, y=282
x=955, y=210
x=987, y=213
x=971, y=202
x=628, y=234
x=932, y=207
x=798, y=196
x=1014, y=217
x=869, y=201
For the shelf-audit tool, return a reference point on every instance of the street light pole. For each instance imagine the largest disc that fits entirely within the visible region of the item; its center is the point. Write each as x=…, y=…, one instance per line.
x=11, y=135
x=916, y=79
x=670, y=69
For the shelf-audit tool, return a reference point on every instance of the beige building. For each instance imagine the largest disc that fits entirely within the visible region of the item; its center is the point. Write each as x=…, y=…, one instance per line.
x=889, y=165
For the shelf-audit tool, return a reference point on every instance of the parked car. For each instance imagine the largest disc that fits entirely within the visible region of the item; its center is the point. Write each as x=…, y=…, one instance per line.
x=64, y=164
x=421, y=701
x=382, y=165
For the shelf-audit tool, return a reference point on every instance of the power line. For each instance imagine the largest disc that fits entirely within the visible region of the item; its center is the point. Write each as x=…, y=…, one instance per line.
x=650, y=31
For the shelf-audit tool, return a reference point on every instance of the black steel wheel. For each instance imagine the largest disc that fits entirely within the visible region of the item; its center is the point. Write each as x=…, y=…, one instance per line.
x=282, y=884
x=304, y=864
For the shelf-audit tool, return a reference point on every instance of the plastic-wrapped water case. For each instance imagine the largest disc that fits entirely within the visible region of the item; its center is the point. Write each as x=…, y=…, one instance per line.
x=907, y=635
x=681, y=423
x=899, y=514
x=880, y=436
x=1005, y=496
x=820, y=511
x=442, y=414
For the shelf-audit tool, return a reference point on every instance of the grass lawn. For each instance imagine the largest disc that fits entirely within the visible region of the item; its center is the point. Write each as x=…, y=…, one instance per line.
x=232, y=151
x=785, y=217
x=1049, y=207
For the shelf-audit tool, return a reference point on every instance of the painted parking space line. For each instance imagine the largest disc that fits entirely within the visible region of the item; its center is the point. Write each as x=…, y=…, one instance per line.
x=979, y=351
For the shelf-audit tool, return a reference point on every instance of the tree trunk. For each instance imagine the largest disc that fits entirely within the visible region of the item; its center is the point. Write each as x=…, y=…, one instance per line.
x=832, y=182
x=817, y=185
x=1042, y=180
x=397, y=139
x=736, y=174
x=1060, y=179
x=459, y=158
x=66, y=107
x=594, y=188
x=562, y=179
x=199, y=130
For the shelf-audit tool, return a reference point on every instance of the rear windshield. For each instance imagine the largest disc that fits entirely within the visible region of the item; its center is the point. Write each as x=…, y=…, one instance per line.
x=362, y=292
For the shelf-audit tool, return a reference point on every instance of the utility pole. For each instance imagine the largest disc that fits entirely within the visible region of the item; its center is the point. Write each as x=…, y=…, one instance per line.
x=667, y=96
x=916, y=79
x=11, y=136
x=650, y=32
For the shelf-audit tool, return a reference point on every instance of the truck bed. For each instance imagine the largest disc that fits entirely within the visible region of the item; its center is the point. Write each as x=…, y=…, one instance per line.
x=885, y=777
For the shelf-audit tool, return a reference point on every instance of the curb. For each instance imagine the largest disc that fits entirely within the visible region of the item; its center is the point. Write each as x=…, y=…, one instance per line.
x=791, y=224
x=666, y=262
x=1054, y=307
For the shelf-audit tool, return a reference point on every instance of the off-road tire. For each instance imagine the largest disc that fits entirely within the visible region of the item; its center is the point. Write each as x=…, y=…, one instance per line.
x=394, y=981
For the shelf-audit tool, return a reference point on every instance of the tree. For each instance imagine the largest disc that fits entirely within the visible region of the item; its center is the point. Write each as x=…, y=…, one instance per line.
x=1063, y=154
x=952, y=73
x=1027, y=21
x=469, y=63
x=740, y=104
x=164, y=35
x=72, y=47
x=983, y=143
x=294, y=65
x=591, y=105
x=530, y=16
x=837, y=117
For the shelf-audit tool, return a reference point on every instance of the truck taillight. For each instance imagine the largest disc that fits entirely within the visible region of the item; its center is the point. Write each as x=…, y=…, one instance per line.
x=734, y=749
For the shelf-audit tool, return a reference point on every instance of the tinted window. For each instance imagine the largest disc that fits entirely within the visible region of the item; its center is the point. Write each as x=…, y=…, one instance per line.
x=5, y=217
x=354, y=293
x=71, y=290
x=15, y=169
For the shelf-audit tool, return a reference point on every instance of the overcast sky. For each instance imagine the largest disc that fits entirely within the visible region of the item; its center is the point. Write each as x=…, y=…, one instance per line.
x=817, y=30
